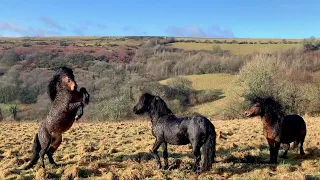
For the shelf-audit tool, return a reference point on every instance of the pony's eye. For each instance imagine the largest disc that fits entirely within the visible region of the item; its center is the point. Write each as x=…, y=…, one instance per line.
x=69, y=79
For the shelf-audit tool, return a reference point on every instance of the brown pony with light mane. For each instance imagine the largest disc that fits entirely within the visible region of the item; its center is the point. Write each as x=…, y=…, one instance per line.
x=277, y=127
x=67, y=106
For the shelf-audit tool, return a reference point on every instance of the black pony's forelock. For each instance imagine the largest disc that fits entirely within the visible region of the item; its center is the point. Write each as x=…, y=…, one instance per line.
x=52, y=87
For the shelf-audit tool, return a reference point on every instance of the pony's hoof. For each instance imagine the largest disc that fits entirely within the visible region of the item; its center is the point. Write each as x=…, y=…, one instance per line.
x=77, y=118
x=86, y=101
x=196, y=169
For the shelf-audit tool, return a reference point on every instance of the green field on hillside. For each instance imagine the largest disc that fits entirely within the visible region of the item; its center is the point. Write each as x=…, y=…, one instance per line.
x=224, y=82
x=235, y=48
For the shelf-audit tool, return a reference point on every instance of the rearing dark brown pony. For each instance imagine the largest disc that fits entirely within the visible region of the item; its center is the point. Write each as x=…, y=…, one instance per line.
x=277, y=127
x=77, y=96
x=67, y=106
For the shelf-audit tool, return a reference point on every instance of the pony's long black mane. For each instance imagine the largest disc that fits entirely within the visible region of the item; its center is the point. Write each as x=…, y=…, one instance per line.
x=157, y=106
x=271, y=107
x=52, y=87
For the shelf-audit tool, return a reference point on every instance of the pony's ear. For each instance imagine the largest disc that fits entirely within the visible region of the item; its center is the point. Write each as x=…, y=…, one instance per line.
x=155, y=101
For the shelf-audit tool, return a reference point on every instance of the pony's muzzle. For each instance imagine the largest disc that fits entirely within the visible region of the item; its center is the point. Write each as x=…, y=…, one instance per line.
x=134, y=109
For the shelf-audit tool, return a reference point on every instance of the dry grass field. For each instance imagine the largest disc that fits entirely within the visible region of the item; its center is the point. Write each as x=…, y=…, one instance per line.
x=120, y=150
x=235, y=48
x=263, y=40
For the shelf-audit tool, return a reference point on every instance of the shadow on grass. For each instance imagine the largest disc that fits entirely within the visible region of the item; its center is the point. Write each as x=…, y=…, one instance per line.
x=313, y=177
x=147, y=156
x=248, y=163
x=240, y=165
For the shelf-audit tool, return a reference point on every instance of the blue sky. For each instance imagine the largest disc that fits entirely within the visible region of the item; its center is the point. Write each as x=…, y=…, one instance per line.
x=196, y=18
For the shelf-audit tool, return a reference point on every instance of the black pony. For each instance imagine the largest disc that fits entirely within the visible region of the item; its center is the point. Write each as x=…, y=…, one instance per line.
x=277, y=127
x=167, y=128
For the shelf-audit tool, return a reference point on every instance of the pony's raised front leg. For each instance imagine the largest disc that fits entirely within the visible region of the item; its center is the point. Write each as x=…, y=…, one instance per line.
x=79, y=113
x=74, y=106
x=155, y=152
x=56, y=141
x=85, y=94
x=165, y=155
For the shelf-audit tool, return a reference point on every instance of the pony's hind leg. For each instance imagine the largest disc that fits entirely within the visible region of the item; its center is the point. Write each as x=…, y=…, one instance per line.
x=197, y=153
x=155, y=152
x=301, y=148
x=56, y=141
x=45, y=140
x=165, y=155
x=284, y=155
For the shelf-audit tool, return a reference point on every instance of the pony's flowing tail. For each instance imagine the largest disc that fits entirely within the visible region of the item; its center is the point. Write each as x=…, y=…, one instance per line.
x=35, y=156
x=209, y=151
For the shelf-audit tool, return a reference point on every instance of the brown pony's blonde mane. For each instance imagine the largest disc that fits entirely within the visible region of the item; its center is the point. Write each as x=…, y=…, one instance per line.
x=52, y=87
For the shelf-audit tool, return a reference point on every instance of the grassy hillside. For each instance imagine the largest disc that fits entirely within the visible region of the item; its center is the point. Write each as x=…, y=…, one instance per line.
x=235, y=48
x=262, y=45
x=121, y=151
x=224, y=82
x=110, y=67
